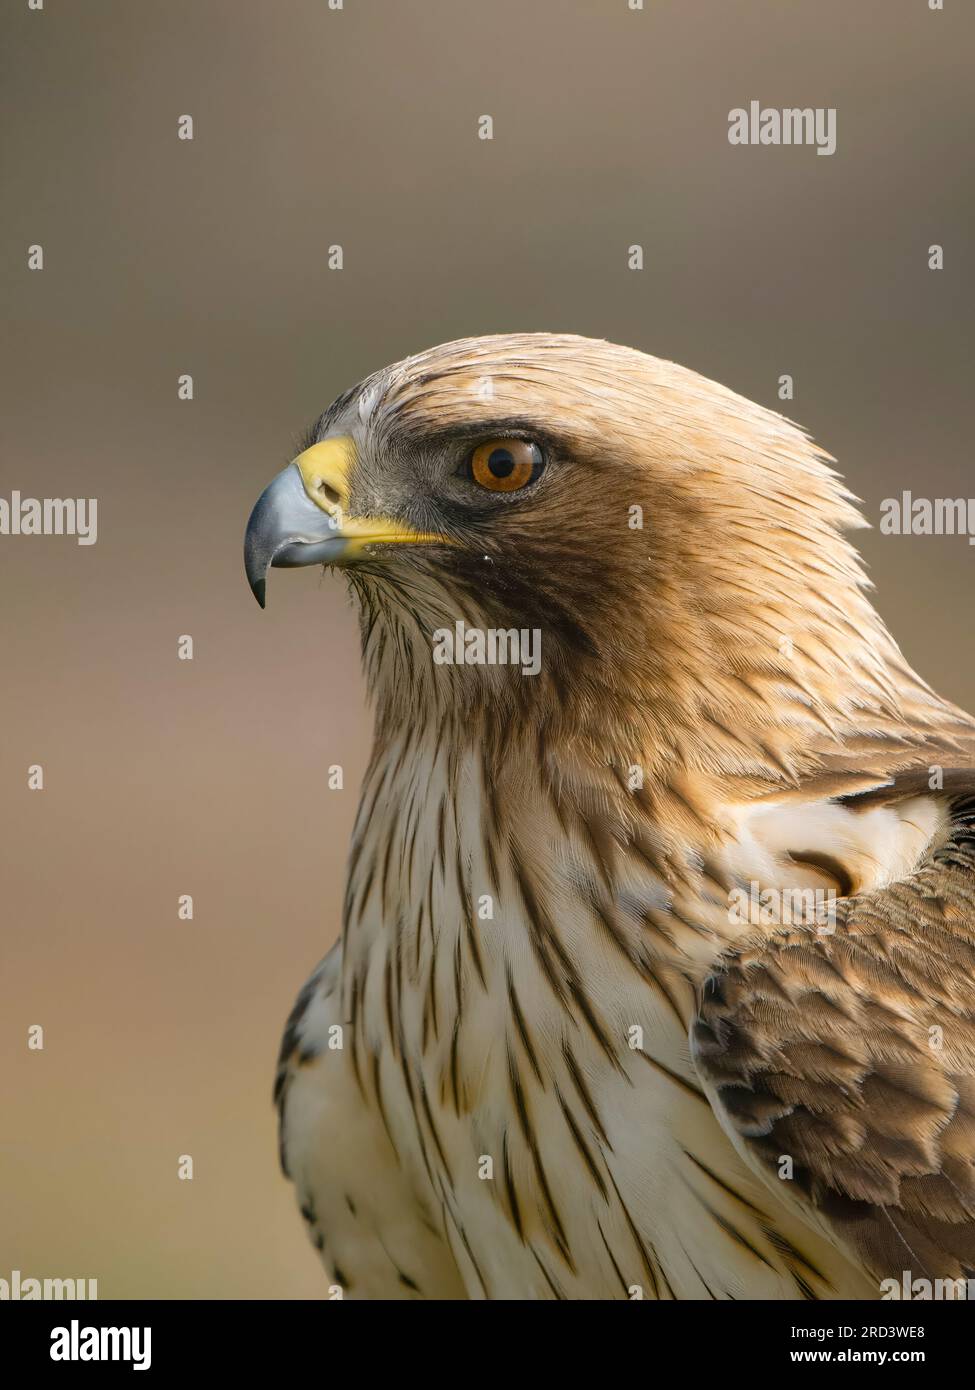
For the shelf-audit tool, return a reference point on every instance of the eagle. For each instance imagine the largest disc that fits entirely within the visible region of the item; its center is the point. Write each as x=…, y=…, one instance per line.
x=656, y=975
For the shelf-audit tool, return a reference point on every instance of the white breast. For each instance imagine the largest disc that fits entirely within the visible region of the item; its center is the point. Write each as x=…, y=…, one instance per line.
x=564, y=1142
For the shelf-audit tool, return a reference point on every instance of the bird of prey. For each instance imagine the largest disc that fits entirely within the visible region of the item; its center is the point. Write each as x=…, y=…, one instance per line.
x=576, y=1040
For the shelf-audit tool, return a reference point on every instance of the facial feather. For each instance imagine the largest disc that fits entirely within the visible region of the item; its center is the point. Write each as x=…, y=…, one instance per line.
x=683, y=556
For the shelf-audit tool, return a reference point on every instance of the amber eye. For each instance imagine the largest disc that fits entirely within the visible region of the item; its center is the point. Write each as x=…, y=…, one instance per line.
x=505, y=465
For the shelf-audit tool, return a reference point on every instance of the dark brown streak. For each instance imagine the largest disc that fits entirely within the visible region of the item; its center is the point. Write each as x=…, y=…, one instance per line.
x=434, y=956
x=583, y=1147
x=602, y=844
x=604, y=918
x=585, y=1008
x=442, y=836
x=647, y=1257
x=391, y=834
x=520, y=1025
x=458, y=980
x=407, y=1080
x=467, y=908
x=366, y=888
x=521, y=1110
x=710, y=1291
x=388, y=1001
x=411, y=851
x=470, y=1255
x=398, y=971
x=556, y=1289
x=418, y=939
x=491, y=827
x=584, y=1094
x=380, y=1105
x=612, y=1259
x=428, y=1113
x=538, y=932
x=730, y=1230
x=353, y=1050
x=828, y=865
x=454, y=1044
x=510, y=1188
x=673, y=1076
x=654, y=979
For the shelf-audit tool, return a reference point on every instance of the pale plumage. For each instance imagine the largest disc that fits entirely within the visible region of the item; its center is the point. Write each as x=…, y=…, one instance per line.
x=547, y=1059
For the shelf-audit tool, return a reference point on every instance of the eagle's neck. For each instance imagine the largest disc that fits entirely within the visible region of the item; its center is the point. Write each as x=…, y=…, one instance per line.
x=474, y=858
x=476, y=863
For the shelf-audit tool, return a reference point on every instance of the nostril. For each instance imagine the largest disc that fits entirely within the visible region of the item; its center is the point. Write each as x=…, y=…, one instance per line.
x=329, y=492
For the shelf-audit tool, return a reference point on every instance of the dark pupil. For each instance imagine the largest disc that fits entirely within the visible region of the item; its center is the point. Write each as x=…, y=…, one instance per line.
x=501, y=463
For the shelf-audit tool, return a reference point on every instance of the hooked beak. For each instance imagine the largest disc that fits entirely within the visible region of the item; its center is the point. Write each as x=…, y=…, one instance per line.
x=300, y=518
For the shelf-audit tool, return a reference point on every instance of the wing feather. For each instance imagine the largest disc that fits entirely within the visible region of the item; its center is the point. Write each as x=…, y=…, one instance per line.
x=853, y=1055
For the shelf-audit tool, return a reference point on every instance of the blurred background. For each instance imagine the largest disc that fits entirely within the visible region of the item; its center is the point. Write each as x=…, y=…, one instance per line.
x=358, y=127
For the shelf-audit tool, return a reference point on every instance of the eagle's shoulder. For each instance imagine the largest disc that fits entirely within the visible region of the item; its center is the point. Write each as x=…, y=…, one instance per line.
x=842, y=1062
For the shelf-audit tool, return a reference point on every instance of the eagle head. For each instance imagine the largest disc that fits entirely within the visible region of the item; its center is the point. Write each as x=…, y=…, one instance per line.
x=677, y=549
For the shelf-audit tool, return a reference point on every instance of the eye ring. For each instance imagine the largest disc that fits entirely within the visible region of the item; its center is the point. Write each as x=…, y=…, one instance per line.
x=505, y=465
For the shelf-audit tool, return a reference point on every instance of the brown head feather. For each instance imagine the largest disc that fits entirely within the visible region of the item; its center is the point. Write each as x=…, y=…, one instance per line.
x=730, y=636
